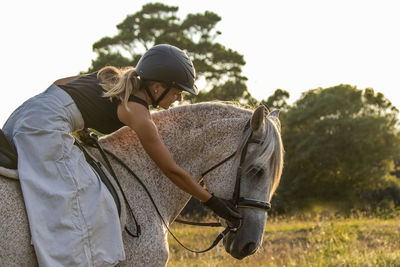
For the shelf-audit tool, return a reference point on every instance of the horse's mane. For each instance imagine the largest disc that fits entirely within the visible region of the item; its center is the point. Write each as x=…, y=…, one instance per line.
x=271, y=150
x=225, y=109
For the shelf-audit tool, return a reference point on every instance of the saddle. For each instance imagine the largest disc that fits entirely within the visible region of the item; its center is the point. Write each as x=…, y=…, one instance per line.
x=8, y=153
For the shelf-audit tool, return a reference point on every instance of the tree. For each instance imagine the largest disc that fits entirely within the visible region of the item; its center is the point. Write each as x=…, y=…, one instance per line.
x=339, y=142
x=157, y=23
x=277, y=100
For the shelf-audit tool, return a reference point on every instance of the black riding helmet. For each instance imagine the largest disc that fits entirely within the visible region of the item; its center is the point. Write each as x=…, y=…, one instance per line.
x=170, y=65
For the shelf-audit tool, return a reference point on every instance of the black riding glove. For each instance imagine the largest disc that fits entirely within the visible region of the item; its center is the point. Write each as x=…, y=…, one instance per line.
x=224, y=209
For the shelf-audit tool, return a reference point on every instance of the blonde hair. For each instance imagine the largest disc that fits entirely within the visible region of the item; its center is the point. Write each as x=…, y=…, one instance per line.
x=119, y=83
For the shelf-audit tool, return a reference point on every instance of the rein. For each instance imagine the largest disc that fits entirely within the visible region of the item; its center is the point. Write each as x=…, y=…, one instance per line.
x=218, y=238
x=211, y=224
x=237, y=200
x=91, y=139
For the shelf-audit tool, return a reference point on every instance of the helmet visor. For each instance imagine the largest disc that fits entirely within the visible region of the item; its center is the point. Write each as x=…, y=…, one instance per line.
x=193, y=91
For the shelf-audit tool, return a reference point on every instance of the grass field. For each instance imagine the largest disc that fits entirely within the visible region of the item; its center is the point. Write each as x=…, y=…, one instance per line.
x=311, y=240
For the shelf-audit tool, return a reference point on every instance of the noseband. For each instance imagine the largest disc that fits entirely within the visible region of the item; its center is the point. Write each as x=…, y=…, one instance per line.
x=237, y=200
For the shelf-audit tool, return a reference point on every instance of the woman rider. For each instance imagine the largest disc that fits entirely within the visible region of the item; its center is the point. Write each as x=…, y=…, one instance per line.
x=70, y=212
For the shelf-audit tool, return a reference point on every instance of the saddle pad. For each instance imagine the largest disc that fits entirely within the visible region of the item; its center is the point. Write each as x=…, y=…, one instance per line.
x=9, y=173
x=8, y=154
x=13, y=174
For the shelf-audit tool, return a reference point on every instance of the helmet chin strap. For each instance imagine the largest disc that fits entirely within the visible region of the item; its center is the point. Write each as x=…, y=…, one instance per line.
x=154, y=101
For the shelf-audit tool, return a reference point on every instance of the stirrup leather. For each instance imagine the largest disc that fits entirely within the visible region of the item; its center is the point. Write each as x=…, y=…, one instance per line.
x=8, y=154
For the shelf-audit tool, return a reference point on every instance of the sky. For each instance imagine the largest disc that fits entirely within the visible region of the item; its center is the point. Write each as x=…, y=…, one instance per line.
x=288, y=44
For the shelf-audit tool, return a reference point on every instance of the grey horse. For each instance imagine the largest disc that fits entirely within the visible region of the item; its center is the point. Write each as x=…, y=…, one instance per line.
x=198, y=136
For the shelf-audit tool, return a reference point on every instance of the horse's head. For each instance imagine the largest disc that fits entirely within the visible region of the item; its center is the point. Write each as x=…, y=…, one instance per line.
x=256, y=173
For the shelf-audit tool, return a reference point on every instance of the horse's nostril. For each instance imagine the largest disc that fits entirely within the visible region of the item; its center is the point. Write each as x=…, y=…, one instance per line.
x=249, y=249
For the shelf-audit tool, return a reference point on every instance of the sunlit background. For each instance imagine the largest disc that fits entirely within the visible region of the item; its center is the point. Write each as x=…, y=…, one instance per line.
x=292, y=45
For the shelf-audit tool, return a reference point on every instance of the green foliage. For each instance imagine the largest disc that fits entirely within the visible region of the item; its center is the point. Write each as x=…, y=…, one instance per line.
x=109, y=59
x=157, y=23
x=277, y=100
x=340, y=143
x=229, y=91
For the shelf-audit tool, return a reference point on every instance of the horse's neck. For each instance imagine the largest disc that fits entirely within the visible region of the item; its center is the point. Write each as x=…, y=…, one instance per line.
x=197, y=139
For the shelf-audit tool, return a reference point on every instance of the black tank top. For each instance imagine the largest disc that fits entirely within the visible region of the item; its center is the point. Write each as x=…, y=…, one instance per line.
x=98, y=112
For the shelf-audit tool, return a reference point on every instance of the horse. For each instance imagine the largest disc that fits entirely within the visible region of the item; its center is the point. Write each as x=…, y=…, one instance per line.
x=199, y=136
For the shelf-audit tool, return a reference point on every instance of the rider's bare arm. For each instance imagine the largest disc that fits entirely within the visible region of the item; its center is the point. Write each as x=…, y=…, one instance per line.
x=138, y=118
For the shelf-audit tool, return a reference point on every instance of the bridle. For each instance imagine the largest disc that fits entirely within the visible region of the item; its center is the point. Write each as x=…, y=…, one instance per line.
x=237, y=199
x=243, y=202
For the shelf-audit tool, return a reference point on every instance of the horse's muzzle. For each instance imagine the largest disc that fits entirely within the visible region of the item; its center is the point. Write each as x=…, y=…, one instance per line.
x=236, y=249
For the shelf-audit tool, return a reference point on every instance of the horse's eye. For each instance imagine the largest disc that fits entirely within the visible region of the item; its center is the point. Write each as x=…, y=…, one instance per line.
x=258, y=172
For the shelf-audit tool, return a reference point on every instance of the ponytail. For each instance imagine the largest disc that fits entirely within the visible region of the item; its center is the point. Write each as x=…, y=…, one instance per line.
x=119, y=83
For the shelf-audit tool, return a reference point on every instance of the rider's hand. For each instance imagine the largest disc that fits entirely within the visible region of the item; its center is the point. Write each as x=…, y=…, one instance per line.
x=224, y=209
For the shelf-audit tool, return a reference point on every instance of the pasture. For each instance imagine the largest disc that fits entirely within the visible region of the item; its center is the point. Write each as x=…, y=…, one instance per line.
x=307, y=240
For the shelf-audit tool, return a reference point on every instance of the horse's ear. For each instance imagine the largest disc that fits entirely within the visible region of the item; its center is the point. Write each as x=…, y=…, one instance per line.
x=258, y=120
x=274, y=113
